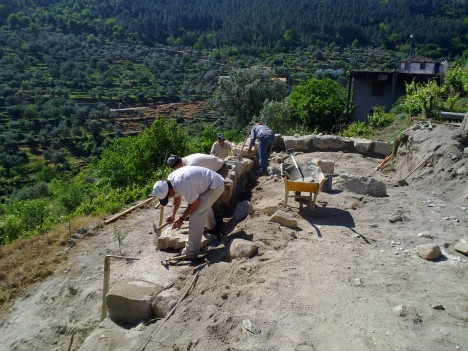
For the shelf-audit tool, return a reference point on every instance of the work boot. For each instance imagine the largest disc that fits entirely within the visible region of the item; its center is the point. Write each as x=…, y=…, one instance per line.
x=189, y=255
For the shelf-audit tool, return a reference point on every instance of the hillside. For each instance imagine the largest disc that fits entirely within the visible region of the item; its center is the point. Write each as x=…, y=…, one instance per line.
x=252, y=25
x=67, y=65
x=348, y=277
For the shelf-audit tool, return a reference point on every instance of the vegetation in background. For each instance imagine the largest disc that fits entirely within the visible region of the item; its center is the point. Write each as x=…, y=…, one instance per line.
x=241, y=95
x=123, y=174
x=380, y=118
x=318, y=104
x=358, y=129
x=277, y=115
x=251, y=26
x=425, y=99
x=457, y=76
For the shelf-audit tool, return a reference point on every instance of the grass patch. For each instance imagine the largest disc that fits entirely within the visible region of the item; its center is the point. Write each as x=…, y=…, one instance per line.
x=29, y=261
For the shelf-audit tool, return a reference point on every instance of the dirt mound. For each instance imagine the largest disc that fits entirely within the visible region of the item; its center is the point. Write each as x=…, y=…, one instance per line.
x=438, y=158
x=348, y=277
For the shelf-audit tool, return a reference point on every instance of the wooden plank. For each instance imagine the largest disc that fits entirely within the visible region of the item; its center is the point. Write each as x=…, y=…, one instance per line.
x=118, y=215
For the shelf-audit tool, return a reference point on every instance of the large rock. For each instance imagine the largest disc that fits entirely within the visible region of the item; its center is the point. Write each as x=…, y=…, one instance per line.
x=327, y=166
x=225, y=199
x=429, y=251
x=240, y=248
x=108, y=336
x=462, y=247
x=171, y=239
x=302, y=143
x=240, y=168
x=331, y=143
x=175, y=239
x=284, y=219
x=362, y=146
x=361, y=185
x=129, y=301
x=243, y=209
x=165, y=301
x=381, y=148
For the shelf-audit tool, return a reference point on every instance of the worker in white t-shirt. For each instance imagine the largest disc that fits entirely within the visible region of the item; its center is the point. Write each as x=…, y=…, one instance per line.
x=201, y=160
x=201, y=188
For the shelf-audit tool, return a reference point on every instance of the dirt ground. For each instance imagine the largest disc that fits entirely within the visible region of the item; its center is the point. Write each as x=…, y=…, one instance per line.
x=347, y=278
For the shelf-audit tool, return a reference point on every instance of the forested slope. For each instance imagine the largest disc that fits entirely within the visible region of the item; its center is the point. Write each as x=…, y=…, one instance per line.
x=254, y=24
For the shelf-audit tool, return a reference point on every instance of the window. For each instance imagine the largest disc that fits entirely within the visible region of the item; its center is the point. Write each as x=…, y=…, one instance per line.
x=378, y=89
x=422, y=65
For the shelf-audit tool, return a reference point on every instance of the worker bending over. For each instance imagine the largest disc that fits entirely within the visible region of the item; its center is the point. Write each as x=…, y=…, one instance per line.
x=201, y=188
x=266, y=139
x=201, y=160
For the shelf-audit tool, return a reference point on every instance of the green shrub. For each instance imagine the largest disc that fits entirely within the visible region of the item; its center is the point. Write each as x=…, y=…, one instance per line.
x=11, y=228
x=380, y=118
x=358, y=129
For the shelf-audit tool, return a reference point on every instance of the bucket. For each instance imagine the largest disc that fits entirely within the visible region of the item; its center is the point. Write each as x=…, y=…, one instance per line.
x=327, y=184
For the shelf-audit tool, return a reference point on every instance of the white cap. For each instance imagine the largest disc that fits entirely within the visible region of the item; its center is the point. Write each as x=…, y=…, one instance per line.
x=161, y=191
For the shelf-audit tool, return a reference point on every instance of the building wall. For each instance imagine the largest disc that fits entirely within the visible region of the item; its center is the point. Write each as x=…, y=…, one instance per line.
x=364, y=101
x=415, y=67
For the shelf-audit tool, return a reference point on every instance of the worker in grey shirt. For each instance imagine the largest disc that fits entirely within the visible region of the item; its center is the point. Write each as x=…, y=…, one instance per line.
x=202, y=160
x=266, y=138
x=201, y=188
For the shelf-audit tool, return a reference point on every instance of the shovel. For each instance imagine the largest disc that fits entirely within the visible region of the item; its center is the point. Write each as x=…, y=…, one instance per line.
x=291, y=154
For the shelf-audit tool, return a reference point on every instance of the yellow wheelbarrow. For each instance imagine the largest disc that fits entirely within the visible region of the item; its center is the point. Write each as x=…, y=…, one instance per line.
x=307, y=179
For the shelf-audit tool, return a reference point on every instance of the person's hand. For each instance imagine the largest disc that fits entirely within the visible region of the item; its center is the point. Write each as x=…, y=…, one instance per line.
x=178, y=223
x=170, y=219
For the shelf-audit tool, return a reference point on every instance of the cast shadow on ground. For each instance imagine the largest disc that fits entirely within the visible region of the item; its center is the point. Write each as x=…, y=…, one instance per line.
x=329, y=216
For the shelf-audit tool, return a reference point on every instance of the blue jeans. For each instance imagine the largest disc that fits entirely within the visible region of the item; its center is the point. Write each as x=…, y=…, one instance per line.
x=264, y=146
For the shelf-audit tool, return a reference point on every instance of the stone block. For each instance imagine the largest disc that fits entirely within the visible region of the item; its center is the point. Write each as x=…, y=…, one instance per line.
x=303, y=143
x=240, y=248
x=284, y=219
x=164, y=302
x=129, y=301
x=381, y=148
x=361, y=185
x=362, y=146
x=327, y=166
x=330, y=143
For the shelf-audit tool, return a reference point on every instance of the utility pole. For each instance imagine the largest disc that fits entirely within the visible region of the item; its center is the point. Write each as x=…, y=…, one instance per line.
x=410, y=52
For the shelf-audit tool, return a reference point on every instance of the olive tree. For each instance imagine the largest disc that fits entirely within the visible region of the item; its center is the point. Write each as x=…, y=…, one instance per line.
x=241, y=95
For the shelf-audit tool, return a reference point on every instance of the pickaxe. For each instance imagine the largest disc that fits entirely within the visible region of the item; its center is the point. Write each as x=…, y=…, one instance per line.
x=157, y=230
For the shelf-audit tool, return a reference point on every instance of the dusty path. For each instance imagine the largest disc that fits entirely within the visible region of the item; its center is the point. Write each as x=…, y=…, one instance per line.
x=331, y=284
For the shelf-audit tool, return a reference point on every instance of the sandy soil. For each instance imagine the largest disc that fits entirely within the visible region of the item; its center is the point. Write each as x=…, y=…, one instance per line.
x=334, y=283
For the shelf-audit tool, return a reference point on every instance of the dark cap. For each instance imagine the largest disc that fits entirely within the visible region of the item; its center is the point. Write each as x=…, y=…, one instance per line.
x=220, y=136
x=173, y=160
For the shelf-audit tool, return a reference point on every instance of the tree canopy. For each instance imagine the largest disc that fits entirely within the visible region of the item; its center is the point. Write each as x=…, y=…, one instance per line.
x=318, y=103
x=241, y=95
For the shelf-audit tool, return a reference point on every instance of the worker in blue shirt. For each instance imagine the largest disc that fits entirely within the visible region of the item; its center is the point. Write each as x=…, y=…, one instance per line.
x=266, y=138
